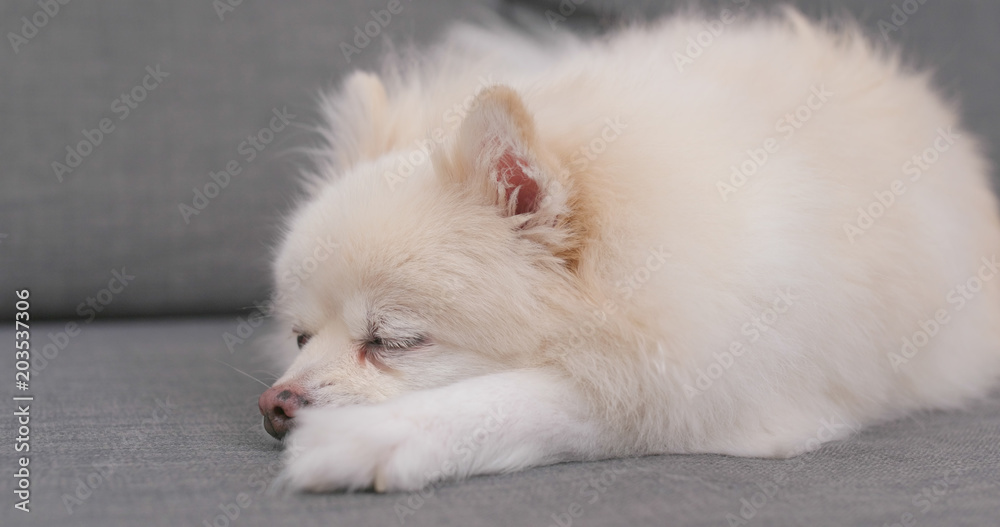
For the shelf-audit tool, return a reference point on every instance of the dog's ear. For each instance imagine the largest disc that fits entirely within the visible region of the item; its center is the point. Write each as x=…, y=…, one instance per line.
x=497, y=157
x=358, y=119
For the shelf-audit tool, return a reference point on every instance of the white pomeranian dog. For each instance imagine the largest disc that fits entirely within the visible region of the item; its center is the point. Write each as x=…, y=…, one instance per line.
x=743, y=236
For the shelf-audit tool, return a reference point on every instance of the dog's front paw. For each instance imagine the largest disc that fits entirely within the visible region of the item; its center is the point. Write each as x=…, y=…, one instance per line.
x=361, y=447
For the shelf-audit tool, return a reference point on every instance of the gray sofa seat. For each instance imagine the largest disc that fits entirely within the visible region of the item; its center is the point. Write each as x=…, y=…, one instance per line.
x=140, y=423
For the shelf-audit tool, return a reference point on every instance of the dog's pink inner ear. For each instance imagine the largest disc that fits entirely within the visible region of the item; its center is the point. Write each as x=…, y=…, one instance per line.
x=510, y=174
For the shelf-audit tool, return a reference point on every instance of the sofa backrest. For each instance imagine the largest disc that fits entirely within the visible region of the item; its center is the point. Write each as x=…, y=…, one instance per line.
x=122, y=118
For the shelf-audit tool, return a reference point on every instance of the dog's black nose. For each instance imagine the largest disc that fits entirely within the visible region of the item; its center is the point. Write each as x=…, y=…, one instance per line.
x=278, y=406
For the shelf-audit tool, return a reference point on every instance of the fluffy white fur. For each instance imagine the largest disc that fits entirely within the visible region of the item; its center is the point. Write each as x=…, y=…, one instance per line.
x=599, y=319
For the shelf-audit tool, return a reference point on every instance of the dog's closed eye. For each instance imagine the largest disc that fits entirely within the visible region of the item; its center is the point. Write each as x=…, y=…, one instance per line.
x=376, y=350
x=391, y=344
x=302, y=339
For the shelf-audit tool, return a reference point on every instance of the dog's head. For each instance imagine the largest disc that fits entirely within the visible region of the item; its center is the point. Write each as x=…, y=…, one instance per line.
x=415, y=269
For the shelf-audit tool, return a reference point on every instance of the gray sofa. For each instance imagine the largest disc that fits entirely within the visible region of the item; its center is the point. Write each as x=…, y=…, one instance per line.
x=145, y=283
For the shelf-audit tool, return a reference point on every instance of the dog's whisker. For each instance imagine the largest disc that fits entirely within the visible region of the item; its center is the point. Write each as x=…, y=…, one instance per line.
x=267, y=373
x=243, y=372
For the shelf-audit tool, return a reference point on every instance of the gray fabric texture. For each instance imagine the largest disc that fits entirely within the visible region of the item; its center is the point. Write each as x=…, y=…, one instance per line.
x=136, y=423
x=97, y=401
x=120, y=207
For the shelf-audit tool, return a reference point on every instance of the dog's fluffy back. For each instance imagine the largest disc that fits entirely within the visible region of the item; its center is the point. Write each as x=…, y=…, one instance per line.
x=699, y=206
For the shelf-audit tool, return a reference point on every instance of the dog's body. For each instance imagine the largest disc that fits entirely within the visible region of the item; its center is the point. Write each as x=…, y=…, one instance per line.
x=581, y=250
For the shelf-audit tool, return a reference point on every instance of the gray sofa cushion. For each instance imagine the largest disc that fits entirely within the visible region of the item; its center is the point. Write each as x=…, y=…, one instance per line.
x=179, y=439
x=121, y=206
x=119, y=211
